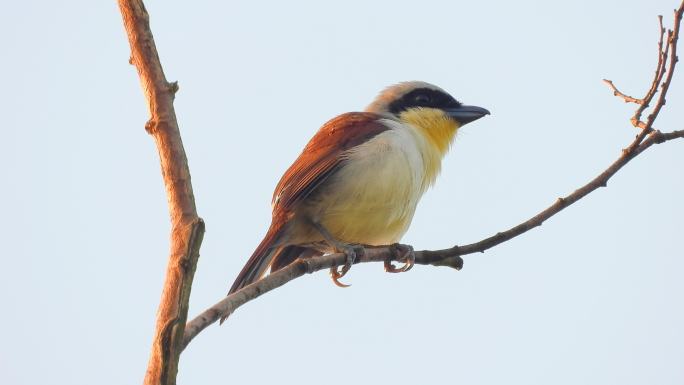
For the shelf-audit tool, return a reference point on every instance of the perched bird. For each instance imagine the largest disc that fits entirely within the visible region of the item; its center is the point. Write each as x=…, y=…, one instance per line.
x=359, y=179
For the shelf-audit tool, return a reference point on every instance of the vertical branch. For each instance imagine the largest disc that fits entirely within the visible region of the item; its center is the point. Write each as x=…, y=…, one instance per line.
x=187, y=229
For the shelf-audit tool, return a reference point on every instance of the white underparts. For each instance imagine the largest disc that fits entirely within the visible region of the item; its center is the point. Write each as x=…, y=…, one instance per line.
x=373, y=197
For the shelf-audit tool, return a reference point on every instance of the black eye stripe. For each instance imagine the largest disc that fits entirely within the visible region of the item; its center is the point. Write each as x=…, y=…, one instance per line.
x=423, y=97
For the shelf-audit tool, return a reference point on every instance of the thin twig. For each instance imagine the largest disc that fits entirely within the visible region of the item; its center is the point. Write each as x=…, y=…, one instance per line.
x=657, y=77
x=673, y=37
x=660, y=69
x=618, y=93
x=661, y=137
x=187, y=229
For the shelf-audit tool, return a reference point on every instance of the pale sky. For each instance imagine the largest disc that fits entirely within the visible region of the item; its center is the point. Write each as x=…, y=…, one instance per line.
x=592, y=297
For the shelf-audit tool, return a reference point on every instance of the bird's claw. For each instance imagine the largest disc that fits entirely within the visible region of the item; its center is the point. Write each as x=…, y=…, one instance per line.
x=336, y=275
x=400, y=252
x=350, y=251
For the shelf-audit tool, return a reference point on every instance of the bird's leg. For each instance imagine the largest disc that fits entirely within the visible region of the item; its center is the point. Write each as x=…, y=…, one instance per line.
x=401, y=252
x=349, y=250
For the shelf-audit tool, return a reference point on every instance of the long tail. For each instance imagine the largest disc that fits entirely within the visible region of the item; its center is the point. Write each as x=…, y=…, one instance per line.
x=259, y=262
x=267, y=255
x=275, y=257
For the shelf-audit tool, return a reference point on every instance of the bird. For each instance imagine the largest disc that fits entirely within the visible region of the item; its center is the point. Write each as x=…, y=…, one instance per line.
x=359, y=179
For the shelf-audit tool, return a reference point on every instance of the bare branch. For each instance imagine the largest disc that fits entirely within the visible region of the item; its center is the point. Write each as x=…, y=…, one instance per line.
x=187, y=229
x=618, y=93
x=448, y=257
x=666, y=55
x=664, y=137
x=673, y=37
x=660, y=70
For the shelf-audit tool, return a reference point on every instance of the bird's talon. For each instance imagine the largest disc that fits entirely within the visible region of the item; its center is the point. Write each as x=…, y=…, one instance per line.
x=389, y=267
x=350, y=253
x=400, y=251
x=336, y=275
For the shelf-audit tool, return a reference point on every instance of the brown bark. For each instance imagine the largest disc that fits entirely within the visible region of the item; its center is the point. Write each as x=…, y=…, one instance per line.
x=187, y=229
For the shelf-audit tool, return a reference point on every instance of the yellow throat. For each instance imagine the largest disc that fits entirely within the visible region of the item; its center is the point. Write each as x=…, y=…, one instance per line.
x=438, y=130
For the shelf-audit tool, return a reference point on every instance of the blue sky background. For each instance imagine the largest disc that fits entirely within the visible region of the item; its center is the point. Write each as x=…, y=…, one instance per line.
x=593, y=296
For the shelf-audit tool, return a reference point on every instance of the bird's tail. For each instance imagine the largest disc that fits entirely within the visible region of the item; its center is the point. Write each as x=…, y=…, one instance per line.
x=259, y=262
x=267, y=255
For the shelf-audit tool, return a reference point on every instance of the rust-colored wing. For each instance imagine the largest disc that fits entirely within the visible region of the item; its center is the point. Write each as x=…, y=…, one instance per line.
x=322, y=156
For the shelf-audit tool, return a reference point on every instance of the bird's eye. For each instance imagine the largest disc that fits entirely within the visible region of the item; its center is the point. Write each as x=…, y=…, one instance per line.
x=422, y=99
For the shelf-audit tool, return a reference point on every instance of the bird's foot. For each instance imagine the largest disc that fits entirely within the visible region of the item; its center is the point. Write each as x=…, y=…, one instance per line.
x=400, y=253
x=351, y=251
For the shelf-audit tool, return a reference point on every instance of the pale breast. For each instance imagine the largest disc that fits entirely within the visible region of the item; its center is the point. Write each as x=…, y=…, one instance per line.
x=373, y=197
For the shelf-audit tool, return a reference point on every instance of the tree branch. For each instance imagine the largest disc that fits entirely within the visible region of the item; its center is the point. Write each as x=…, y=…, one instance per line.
x=452, y=257
x=187, y=229
x=618, y=93
x=448, y=257
x=654, y=85
x=660, y=70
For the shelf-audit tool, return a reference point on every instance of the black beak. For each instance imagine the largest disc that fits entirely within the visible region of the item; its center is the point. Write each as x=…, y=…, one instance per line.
x=466, y=114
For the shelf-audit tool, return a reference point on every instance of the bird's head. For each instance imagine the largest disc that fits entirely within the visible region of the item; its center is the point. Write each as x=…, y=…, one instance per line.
x=429, y=108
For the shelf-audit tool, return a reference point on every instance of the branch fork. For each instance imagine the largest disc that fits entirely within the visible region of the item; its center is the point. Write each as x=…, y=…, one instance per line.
x=667, y=60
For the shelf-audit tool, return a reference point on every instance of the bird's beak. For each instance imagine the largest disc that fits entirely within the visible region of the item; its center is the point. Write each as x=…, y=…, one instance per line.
x=466, y=114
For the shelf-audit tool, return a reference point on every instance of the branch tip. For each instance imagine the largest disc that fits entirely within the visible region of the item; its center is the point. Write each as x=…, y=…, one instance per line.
x=455, y=263
x=624, y=97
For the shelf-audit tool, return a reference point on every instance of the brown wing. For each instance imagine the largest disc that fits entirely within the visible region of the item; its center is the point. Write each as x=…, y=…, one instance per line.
x=322, y=156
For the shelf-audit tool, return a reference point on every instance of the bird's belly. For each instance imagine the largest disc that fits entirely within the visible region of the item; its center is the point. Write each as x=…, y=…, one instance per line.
x=372, y=198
